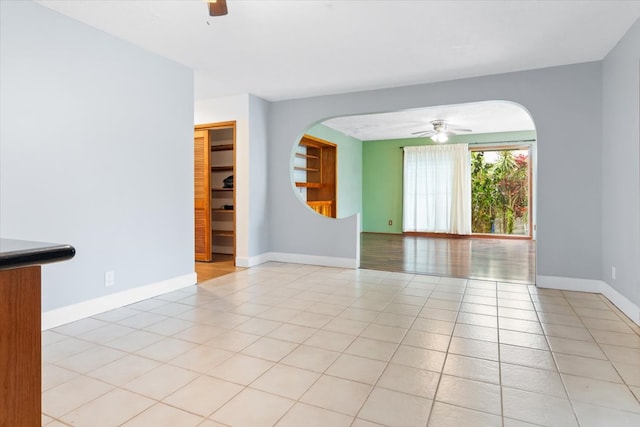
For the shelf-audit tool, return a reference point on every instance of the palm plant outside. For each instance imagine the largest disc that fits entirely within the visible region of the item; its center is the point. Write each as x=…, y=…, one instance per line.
x=499, y=191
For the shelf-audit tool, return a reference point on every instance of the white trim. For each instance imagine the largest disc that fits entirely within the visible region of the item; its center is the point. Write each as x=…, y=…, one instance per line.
x=630, y=309
x=568, y=283
x=358, y=235
x=73, y=312
x=620, y=301
x=325, y=261
x=253, y=261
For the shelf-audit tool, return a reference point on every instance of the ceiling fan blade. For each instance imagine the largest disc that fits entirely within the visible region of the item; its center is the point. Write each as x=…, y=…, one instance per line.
x=423, y=133
x=455, y=129
x=217, y=7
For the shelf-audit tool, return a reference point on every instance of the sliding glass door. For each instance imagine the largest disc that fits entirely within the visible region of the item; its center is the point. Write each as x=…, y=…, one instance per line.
x=500, y=191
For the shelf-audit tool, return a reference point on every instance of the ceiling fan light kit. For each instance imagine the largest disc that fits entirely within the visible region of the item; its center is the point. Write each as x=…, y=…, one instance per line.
x=440, y=137
x=440, y=127
x=440, y=132
x=217, y=7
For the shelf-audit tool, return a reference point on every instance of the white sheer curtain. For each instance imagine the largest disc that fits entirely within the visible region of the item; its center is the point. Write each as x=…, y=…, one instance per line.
x=437, y=189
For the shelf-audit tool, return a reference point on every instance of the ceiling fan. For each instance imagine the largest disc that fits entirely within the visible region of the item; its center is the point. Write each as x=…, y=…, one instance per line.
x=441, y=131
x=217, y=7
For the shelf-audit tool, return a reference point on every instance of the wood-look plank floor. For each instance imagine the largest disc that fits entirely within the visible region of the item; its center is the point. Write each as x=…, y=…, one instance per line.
x=217, y=268
x=504, y=260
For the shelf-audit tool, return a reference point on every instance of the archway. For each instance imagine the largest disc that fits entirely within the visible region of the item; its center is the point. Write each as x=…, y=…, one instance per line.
x=487, y=127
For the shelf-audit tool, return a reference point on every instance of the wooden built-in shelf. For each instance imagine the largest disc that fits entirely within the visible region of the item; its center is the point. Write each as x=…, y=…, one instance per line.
x=223, y=210
x=306, y=156
x=318, y=158
x=323, y=207
x=221, y=168
x=222, y=189
x=223, y=147
x=308, y=184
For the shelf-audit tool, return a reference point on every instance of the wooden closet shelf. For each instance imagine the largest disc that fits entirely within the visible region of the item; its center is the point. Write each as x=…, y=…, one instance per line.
x=214, y=162
x=301, y=168
x=223, y=233
x=222, y=147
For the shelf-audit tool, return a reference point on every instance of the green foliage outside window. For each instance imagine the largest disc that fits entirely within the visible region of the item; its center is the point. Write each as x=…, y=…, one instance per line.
x=499, y=192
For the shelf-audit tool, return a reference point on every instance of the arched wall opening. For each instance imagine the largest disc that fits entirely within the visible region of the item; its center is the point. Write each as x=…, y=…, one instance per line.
x=369, y=183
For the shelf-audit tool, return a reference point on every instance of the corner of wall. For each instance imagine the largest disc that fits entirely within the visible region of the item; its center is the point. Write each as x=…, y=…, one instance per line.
x=630, y=309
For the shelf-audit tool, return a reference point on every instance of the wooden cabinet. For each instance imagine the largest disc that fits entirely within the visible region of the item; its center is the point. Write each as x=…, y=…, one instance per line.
x=315, y=174
x=214, y=191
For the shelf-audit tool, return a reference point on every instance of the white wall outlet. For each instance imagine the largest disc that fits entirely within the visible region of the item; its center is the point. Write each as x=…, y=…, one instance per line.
x=613, y=272
x=109, y=278
x=390, y=222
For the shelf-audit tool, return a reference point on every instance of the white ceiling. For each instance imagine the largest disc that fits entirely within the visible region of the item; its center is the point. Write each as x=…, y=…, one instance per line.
x=480, y=117
x=284, y=49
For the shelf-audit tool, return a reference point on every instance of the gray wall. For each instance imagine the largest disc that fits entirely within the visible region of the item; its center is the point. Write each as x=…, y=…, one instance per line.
x=621, y=165
x=95, y=151
x=565, y=103
x=258, y=178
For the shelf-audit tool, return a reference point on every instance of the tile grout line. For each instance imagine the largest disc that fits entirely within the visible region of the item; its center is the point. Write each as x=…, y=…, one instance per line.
x=388, y=362
x=334, y=288
x=500, y=355
x=546, y=338
x=444, y=362
x=624, y=381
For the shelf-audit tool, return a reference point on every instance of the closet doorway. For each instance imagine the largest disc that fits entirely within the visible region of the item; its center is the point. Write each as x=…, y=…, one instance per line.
x=214, y=199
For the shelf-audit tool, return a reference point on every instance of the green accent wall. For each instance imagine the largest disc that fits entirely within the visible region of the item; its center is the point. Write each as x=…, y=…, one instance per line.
x=382, y=175
x=349, y=191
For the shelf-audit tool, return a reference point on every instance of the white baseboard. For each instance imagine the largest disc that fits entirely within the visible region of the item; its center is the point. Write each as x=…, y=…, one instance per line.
x=620, y=301
x=254, y=260
x=568, y=283
x=325, y=261
x=71, y=313
x=630, y=309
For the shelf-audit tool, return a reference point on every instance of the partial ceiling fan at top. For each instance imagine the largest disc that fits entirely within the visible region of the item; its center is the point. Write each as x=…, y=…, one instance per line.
x=217, y=7
x=441, y=131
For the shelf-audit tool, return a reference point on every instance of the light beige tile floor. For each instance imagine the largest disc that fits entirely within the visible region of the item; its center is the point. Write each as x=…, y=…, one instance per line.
x=295, y=345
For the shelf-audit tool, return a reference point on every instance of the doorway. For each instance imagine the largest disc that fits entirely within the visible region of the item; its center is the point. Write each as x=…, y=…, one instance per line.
x=489, y=126
x=214, y=199
x=501, y=191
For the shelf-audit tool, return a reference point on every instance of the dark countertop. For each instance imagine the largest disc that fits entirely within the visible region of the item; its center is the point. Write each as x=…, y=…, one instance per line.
x=22, y=253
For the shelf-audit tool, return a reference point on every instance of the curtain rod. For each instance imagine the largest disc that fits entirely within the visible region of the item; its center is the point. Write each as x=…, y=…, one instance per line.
x=483, y=143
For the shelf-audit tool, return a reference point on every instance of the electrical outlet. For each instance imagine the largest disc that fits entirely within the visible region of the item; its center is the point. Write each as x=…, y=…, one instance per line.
x=390, y=222
x=109, y=278
x=613, y=272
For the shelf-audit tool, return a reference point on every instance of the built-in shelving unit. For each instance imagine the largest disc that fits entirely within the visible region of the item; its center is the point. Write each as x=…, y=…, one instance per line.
x=215, y=176
x=315, y=174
